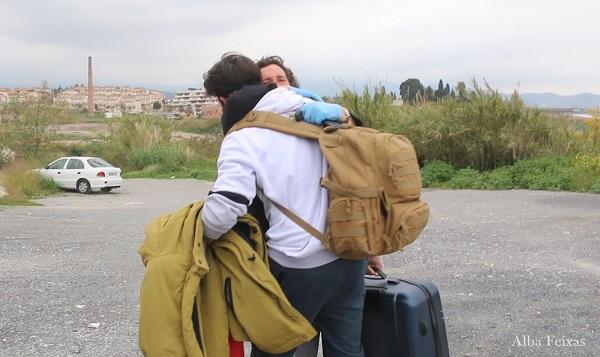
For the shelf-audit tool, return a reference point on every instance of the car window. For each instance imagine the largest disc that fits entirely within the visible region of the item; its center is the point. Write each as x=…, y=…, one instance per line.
x=75, y=164
x=57, y=165
x=98, y=162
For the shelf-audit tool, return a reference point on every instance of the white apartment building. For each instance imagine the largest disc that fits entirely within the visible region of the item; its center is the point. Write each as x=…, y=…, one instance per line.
x=194, y=102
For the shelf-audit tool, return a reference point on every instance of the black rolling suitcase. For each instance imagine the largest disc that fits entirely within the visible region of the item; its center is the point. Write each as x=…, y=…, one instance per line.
x=403, y=318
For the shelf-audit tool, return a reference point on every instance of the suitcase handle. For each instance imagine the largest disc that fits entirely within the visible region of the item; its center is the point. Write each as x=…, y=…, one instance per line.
x=382, y=276
x=434, y=327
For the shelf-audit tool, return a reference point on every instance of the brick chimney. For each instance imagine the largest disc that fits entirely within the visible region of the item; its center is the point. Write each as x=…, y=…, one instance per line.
x=90, y=92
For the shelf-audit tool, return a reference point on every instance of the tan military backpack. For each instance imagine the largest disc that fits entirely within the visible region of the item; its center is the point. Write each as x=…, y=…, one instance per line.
x=374, y=186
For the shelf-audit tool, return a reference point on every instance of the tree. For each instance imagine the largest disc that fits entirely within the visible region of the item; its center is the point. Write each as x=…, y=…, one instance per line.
x=439, y=92
x=25, y=124
x=461, y=88
x=45, y=95
x=429, y=94
x=156, y=105
x=410, y=90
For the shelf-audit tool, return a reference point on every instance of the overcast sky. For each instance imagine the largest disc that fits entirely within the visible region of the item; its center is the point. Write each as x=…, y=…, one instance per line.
x=530, y=45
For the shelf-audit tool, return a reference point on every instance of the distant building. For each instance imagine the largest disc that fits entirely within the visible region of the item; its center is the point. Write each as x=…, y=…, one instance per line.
x=111, y=115
x=22, y=94
x=112, y=98
x=194, y=102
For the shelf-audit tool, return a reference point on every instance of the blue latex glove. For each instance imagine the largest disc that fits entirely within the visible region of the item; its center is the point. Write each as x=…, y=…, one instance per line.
x=306, y=93
x=318, y=112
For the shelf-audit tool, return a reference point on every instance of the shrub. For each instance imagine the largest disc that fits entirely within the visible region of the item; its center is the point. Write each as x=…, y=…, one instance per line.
x=211, y=126
x=140, y=132
x=24, y=127
x=76, y=151
x=132, y=133
x=168, y=157
x=484, y=131
x=21, y=182
x=587, y=162
x=590, y=137
x=436, y=172
x=500, y=179
x=595, y=186
x=545, y=173
x=468, y=178
x=374, y=105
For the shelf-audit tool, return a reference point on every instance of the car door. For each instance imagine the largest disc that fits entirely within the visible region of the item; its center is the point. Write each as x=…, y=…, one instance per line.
x=55, y=171
x=72, y=173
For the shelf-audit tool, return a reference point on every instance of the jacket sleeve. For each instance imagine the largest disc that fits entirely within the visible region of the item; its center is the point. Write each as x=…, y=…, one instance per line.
x=234, y=188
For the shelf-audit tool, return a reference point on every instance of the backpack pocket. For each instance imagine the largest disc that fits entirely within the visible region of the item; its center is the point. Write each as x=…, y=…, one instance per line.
x=354, y=224
x=406, y=178
x=405, y=222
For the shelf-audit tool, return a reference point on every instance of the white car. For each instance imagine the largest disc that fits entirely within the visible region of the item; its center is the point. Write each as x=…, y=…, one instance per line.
x=83, y=174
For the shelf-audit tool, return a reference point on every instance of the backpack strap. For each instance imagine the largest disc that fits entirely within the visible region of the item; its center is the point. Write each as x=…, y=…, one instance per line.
x=273, y=121
x=302, y=223
x=268, y=120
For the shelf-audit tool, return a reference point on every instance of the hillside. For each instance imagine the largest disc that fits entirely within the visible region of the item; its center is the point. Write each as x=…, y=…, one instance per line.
x=551, y=100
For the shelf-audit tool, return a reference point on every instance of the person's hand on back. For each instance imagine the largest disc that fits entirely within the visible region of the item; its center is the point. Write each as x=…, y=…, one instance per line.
x=319, y=112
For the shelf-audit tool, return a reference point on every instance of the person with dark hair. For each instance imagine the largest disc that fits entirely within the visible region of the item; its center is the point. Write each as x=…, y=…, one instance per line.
x=227, y=75
x=277, y=167
x=273, y=70
x=222, y=80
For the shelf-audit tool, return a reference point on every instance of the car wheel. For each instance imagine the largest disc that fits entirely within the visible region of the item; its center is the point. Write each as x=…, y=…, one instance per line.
x=106, y=189
x=83, y=186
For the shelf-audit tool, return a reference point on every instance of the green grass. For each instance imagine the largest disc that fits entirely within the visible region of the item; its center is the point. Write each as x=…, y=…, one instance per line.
x=207, y=173
x=551, y=173
x=16, y=202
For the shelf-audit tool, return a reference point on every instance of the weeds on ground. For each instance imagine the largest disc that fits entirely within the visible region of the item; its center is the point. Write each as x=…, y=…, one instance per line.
x=21, y=182
x=16, y=202
x=209, y=126
x=553, y=173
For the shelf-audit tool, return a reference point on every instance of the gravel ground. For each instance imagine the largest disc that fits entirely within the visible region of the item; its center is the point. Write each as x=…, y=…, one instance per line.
x=518, y=271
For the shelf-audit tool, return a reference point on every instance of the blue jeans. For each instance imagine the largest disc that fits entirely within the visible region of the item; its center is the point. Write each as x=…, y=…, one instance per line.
x=330, y=297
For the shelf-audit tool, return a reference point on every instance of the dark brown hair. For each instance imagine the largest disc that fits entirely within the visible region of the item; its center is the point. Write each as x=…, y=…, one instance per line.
x=231, y=73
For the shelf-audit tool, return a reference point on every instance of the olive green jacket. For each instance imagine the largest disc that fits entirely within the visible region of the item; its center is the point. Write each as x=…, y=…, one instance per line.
x=229, y=284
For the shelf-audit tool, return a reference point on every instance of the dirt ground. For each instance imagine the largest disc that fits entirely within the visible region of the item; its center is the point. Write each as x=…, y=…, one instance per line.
x=86, y=131
x=518, y=271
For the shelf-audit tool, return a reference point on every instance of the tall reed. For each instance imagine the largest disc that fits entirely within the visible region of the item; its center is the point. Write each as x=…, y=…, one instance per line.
x=484, y=131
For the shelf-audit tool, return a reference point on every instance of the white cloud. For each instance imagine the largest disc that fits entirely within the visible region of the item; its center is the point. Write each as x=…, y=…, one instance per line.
x=539, y=45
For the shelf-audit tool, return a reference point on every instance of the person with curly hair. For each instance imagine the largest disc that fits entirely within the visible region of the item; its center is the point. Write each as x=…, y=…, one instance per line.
x=258, y=163
x=273, y=70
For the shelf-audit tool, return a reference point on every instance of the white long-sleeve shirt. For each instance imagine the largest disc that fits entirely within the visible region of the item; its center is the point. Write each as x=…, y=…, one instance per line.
x=274, y=166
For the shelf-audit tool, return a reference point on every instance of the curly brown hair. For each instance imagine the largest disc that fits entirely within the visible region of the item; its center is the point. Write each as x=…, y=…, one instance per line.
x=278, y=61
